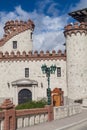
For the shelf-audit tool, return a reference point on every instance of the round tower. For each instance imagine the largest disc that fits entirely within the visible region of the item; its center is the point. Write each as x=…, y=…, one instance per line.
x=76, y=49
x=17, y=37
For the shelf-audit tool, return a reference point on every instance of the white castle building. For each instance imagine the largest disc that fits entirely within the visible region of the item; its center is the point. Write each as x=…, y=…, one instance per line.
x=20, y=69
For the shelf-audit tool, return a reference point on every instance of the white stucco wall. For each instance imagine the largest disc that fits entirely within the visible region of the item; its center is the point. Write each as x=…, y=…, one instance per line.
x=77, y=65
x=24, y=43
x=15, y=70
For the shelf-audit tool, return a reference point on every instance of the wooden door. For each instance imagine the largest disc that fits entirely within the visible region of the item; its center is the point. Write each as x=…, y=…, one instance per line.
x=56, y=100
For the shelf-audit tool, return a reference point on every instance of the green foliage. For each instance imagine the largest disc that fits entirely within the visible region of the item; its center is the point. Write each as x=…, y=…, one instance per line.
x=0, y=109
x=32, y=104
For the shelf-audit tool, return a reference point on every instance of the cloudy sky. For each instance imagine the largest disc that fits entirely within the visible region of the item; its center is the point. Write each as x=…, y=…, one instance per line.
x=49, y=16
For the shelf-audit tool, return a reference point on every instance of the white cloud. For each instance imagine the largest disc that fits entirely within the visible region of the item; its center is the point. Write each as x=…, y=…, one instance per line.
x=53, y=23
x=53, y=9
x=48, y=34
x=21, y=14
x=49, y=41
x=49, y=6
x=51, y=34
x=80, y=5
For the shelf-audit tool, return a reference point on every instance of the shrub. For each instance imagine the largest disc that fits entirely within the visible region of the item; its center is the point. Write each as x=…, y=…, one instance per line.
x=32, y=104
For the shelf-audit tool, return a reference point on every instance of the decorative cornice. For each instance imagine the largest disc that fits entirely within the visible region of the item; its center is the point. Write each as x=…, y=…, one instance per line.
x=32, y=56
x=13, y=28
x=7, y=104
x=75, y=28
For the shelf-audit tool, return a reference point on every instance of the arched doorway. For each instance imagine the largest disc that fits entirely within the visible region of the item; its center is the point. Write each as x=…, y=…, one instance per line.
x=24, y=95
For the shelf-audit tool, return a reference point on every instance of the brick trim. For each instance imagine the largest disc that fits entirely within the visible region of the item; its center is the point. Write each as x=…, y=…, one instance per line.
x=75, y=28
x=31, y=111
x=32, y=56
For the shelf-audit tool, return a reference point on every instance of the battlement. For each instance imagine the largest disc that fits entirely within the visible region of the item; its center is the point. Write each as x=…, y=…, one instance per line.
x=32, y=56
x=13, y=28
x=74, y=28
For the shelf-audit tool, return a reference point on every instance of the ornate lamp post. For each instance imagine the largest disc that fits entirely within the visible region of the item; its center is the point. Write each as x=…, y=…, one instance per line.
x=48, y=70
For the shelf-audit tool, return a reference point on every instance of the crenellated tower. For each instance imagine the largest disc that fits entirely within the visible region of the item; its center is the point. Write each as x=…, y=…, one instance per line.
x=17, y=36
x=76, y=51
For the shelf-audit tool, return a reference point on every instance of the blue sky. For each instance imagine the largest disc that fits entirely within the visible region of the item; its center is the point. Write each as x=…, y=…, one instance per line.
x=49, y=16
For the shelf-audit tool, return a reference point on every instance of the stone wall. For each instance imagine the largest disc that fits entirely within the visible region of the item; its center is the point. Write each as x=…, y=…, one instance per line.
x=12, y=68
x=65, y=111
x=24, y=42
x=14, y=61
x=76, y=62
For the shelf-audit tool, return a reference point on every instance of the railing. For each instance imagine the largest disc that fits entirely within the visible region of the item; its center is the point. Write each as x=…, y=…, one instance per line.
x=68, y=110
x=11, y=119
x=25, y=118
x=31, y=120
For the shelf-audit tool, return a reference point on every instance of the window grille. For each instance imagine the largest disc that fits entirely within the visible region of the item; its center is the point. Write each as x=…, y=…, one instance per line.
x=14, y=44
x=26, y=72
x=58, y=71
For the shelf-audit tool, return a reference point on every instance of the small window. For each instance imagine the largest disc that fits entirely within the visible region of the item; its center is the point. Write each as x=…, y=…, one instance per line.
x=26, y=72
x=31, y=35
x=58, y=71
x=14, y=44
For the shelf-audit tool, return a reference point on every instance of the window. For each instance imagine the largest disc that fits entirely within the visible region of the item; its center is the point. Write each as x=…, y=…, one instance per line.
x=31, y=35
x=14, y=44
x=58, y=71
x=26, y=72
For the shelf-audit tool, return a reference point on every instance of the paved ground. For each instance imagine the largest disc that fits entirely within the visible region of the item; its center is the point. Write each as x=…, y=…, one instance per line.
x=61, y=124
x=80, y=126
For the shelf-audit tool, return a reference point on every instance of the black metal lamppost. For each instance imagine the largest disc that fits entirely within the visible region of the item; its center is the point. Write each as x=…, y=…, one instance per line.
x=48, y=70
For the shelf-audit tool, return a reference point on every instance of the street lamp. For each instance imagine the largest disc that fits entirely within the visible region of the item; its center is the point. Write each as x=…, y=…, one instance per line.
x=48, y=70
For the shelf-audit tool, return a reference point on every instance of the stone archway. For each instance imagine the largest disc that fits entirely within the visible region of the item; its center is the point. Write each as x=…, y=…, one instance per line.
x=24, y=95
